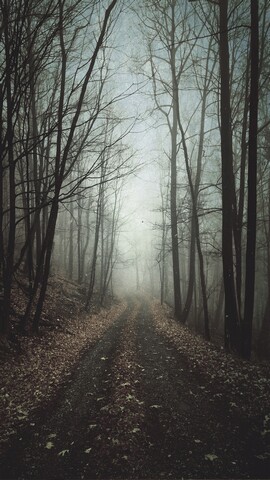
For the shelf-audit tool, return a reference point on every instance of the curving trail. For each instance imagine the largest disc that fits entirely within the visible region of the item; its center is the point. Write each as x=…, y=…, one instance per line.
x=133, y=409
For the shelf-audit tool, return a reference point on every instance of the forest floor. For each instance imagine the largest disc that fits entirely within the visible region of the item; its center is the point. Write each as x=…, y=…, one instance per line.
x=138, y=396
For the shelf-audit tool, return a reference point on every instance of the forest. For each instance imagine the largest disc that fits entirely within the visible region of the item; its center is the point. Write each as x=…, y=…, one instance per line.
x=135, y=238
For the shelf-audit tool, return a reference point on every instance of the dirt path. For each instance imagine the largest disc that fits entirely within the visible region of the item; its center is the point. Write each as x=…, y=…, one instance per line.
x=192, y=431
x=133, y=409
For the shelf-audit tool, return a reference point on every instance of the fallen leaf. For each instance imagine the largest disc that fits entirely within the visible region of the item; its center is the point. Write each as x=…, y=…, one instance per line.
x=105, y=408
x=130, y=397
x=263, y=456
x=49, y=445
x=211, y=457
x=63, y=453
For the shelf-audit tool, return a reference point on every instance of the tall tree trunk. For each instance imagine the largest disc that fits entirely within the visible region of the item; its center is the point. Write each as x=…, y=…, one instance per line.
x=34, y=147
x=162, y=264
x=9, y=260
x=231, y=322
x=162, y=261
x=238, y=216
x=252, y=185
x=195, y=218
x=173, y=193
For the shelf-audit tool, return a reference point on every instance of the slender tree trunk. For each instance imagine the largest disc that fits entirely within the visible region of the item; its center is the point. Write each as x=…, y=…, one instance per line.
x=110, y=250
x=173, y=193
x=162, y=271
x=47, y=262
x=86, y=243
x=71, y=253
x=79, y=240
x=238, y=216
x=23, y=170
x=196, y=223
x=162, y=263
x=191, y=276
x=95, y=250
x=35, y=157
x=252, y=185
x=9, y=260
x=231, y=322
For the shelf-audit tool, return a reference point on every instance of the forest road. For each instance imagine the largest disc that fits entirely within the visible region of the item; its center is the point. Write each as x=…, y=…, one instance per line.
x=132, y=409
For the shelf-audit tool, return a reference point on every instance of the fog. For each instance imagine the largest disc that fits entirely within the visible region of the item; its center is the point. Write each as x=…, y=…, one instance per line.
x=133, y=166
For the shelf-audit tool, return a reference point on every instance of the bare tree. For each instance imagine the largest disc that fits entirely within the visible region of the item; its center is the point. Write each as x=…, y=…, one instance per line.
x=26, y=134
x=252, y=184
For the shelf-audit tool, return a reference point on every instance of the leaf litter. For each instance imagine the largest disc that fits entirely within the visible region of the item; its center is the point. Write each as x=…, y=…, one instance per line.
x=31, y=374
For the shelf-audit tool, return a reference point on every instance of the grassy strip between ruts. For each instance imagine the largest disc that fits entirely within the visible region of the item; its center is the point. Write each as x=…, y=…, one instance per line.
x=124, y=442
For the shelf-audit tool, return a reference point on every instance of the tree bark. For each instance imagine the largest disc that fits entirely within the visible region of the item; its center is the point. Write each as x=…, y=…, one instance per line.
x=231, y=322
x=252, y=185
x=8, y=266
x=173, y=193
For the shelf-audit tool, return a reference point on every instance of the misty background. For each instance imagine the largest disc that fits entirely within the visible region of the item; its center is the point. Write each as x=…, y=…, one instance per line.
x=127, y=166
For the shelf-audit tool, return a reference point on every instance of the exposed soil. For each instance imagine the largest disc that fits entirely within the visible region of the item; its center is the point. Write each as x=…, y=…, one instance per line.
x=140, y=404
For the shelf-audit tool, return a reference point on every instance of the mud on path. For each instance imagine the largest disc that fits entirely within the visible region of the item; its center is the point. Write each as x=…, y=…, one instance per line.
x=132, y=408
